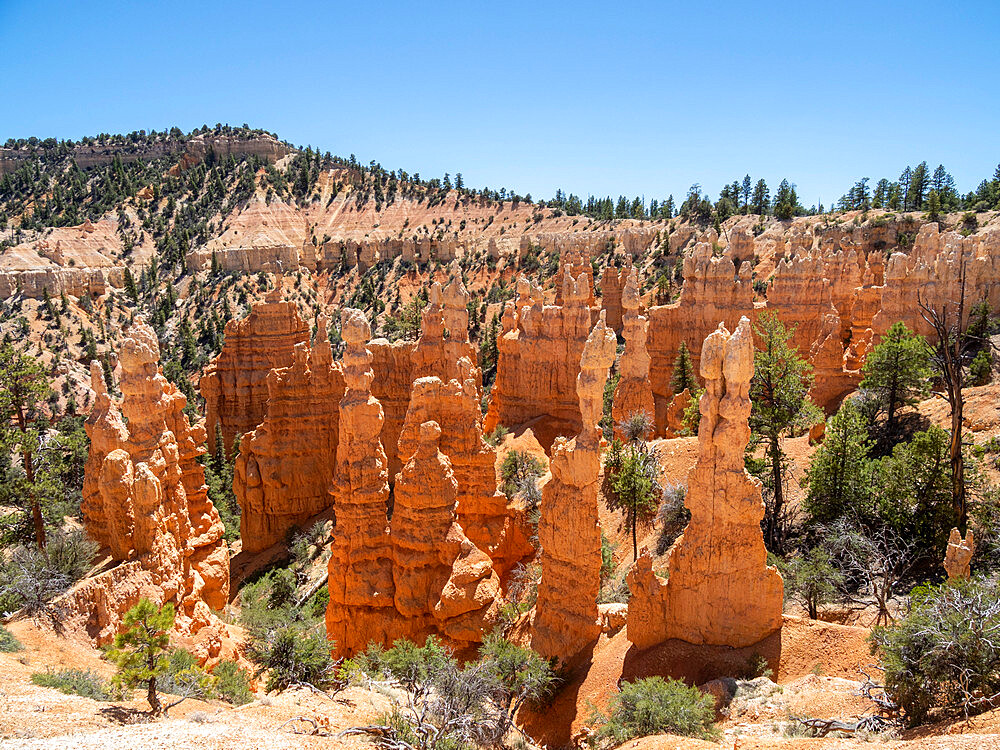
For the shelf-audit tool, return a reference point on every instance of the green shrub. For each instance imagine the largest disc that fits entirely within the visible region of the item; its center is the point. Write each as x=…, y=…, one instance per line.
x=233, y=683
x=184, y=676
x=71, y=553
x=981, y=368
x=8, y=643
x=517, y=469
x=656, y=706
x=941, y=655
x=292, y=655
x=75, y=682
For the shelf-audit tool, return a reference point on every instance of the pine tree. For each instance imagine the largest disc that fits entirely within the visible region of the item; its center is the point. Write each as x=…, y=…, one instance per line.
x=683, y=373
x=918, y=187
x=897, y=371
x=905, y=180
x=761, y=201
x=838, y=477
x=140, y=650
x=745, y=193
x=779, y=394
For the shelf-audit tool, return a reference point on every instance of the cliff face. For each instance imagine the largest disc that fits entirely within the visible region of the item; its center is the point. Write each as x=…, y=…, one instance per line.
x=234, y=385
x=285, y=467
x=712, y=293
x=147, y=502
x=569, y=530
x=539, y=359
x=392, y=365
x=720, y=590
x=501, y=533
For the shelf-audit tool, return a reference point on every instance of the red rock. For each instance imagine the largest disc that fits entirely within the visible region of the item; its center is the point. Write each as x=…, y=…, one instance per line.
x=634, y=394
x=234, y=384
x=285, y=467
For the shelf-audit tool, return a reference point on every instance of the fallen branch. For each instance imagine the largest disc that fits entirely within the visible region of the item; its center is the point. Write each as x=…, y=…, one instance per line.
x=320, y=726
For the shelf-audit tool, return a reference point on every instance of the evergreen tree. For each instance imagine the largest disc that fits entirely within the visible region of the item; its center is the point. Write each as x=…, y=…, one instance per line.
x=905, y=180
x=140, y=650
x=683, y=374
x=779, y=394
x=897, y=371
x=745, y=192
x=838, y=478
x=786, y=202
x=761, y=201
x=880, y=196
x=918, y=187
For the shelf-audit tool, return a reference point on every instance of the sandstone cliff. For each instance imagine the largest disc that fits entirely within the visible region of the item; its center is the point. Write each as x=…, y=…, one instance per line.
x=284, y=469
x=633, y=394
x=539, y=359
x=719, y=589
x=234, y=385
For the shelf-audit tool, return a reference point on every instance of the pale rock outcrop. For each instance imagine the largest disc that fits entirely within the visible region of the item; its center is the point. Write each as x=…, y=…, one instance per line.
x=720, y=590
x=361, y=604
x=958, y=555
x=569, y=531
x=539, y=360
x=444, y=334
x=146, y=501
x=234, y=385
x=284, y=469
x=633, y=393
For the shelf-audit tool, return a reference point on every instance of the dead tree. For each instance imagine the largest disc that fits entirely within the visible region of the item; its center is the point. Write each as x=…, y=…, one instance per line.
x=952, y=354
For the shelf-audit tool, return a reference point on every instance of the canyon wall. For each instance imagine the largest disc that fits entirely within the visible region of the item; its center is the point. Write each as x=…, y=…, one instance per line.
x=234, y=384
x=284, y=469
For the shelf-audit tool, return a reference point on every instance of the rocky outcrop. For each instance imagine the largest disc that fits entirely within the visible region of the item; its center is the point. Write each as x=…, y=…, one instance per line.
x=719, y=589
x=285, y=467
x=613, y=282
x=539, y=359
x=146, y=501
x=234, y=384
x=569, y=531
x=444, y=334
x=360, y=568
x=713, y=292
x=500, y=532
x=443, y=583
x=574, y=263
x=421, y=575
x=633, y=394
x=675, y=413
x=958, y=555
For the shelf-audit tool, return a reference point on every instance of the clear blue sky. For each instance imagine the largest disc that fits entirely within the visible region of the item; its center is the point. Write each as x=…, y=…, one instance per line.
x=629, y=97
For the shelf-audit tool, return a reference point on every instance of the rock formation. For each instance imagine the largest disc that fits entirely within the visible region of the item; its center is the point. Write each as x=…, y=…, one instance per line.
x=421, y=575
x=675, y=413
x=712, y=293
x=633, y=394
x=284, y=470
x=360, y=568
x=569, y=531
x=482, y=509
x=444, y=584
x=392, y=365
x=539, y=360
x=234, y=385
x=720, y=590
x=146, y=501
x=613, y=282
x=444, y=334
x=958, y=556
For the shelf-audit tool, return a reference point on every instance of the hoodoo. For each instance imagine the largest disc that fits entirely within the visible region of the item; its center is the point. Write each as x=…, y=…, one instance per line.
x=719, y=589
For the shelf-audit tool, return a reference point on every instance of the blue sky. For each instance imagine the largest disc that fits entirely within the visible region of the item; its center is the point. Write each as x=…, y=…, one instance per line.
x=640, y=98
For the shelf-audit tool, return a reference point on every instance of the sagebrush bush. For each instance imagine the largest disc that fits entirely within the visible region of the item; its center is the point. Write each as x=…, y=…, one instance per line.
x=8, y=643
x=291, y=655
x=75, y=682
x=233, y=683
x=657, y=706
x=942, y=654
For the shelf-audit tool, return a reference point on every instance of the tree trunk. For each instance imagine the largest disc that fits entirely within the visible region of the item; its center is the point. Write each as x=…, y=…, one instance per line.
x=957, y=462
x=779, y=496
x=635, y=542
x=152, y=698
